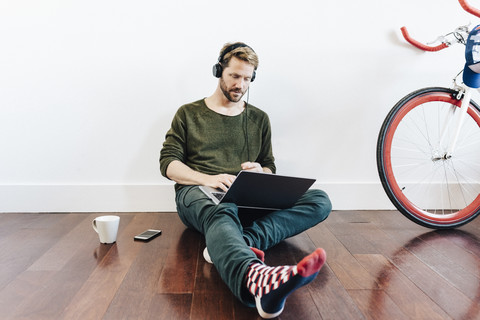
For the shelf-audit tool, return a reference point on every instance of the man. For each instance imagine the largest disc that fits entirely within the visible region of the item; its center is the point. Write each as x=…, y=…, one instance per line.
x=209, y=142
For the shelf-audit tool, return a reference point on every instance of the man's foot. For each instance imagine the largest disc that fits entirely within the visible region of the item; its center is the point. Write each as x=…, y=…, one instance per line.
x=259, y=253
x=272, y=285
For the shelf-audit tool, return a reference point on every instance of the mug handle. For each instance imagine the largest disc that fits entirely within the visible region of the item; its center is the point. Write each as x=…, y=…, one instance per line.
x=94, y=225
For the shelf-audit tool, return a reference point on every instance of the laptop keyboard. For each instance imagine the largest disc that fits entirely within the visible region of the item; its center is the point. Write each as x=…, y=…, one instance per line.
x=218, y=195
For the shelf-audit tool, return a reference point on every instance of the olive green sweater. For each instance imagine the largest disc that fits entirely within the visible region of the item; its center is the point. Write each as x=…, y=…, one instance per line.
x=213, y=143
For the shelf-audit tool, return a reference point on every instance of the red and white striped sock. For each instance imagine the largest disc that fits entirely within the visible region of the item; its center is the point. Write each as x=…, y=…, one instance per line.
x=272, y=285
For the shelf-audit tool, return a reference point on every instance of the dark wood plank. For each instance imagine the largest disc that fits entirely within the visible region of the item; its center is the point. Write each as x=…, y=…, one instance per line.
x=211, y=297
x=241, y=312
x=39, y=289
x=55, y=287
x=147, y=279
x=377, y=304
x=180, y=269
x=138, y=287
x=94, y=297
x=328, y=289
x=30, y=240
x=15, y=298
x=50, y=299
x=347, y=269
x=216, y=305
x=169, y=306
x=12, y=222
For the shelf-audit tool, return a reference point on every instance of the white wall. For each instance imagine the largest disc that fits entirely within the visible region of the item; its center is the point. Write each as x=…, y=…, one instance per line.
x=88, y=89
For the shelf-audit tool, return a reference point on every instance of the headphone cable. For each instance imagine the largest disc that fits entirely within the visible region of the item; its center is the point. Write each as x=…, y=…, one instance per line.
x=246, y=124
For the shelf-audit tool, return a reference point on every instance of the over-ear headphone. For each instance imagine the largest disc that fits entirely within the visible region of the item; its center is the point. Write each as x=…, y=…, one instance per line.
x=217, y=67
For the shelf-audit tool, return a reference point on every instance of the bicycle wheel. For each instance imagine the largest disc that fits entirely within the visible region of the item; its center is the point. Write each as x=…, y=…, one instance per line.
x=423, y=185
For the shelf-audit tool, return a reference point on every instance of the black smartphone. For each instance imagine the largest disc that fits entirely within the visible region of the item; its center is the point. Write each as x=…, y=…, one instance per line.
x=148, y=235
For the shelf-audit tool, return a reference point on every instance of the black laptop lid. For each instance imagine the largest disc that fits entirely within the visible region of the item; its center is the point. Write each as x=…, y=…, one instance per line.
x=268, y=191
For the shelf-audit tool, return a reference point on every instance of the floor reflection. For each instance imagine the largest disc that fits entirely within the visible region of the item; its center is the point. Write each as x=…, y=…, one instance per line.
x=103, y=250
x=448, y=253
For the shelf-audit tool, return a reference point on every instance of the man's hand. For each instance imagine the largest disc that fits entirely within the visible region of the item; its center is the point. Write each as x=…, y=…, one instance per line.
x=220, y=181
x=182, y=174
x=254, y=166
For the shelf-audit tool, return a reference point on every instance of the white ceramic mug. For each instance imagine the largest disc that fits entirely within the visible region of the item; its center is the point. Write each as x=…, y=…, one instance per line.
x=107, y=228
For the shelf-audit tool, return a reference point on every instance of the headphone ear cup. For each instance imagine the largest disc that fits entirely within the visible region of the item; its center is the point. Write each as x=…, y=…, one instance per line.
x=217, y=70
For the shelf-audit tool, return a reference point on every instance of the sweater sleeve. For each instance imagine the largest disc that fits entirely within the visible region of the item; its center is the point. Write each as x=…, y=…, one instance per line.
x=265, y=157
x=175, y=142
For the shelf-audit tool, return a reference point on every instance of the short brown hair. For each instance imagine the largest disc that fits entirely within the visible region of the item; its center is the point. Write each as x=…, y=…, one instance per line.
x=242, y=52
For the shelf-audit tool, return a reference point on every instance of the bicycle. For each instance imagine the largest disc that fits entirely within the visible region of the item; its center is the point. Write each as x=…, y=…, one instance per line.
x=428, y=148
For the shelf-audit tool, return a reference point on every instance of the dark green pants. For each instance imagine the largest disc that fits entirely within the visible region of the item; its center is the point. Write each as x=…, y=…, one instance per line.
x=229, y=242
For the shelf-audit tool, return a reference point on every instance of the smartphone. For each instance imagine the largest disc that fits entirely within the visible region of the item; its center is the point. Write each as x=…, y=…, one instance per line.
x=148, y=235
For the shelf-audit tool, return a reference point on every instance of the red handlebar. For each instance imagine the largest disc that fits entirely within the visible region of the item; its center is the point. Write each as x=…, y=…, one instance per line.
x=469, y=8
x=420, y=45
x=424, y=47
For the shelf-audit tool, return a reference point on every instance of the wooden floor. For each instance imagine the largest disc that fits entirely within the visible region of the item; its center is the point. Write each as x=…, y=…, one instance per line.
x=379, y=266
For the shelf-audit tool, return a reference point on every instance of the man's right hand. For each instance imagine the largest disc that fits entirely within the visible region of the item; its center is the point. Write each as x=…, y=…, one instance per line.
x=182, y=174
x=220, y=181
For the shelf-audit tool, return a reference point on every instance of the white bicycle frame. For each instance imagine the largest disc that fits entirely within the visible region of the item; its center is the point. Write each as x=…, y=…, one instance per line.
x=460, y=118
x=460, y=34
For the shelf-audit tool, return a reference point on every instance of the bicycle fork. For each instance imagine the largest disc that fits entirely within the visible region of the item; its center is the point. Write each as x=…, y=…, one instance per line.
x=459, y=119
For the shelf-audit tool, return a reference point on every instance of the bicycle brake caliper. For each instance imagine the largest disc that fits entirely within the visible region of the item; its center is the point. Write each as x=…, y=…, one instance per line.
x=459, y=91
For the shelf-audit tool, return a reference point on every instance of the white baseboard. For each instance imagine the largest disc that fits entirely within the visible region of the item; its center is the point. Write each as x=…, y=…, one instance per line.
x=155, y=198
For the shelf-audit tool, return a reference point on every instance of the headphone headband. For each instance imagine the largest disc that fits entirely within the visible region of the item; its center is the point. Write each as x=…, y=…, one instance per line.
x=218, y=68
x=231, y=48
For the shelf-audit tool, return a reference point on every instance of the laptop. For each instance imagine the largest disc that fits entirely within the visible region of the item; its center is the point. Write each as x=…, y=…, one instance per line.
x=257, y=190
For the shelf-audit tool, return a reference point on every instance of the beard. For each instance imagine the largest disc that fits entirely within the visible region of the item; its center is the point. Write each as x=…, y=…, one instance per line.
x=231, y=94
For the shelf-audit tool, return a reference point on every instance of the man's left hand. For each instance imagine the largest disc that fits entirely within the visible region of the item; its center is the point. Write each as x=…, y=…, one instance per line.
x=252, y=166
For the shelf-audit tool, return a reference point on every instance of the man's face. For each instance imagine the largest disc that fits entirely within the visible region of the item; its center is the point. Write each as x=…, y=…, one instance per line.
x=236, y=78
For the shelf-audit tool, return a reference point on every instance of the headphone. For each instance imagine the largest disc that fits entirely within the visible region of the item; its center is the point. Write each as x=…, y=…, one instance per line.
x=217, y=67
